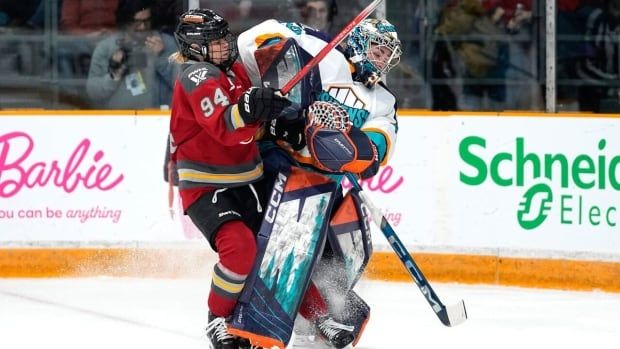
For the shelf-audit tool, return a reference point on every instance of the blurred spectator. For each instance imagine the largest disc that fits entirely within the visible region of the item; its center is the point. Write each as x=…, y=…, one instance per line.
x=37, y=20
x=130, y=70
x=347, y=10
x=22, y=56
x=571, y=27
x=477, y=52
x=600, y=67
x=92, y=18
x=83, y=23
x=411, y=20
x=16, y=14
x=442, y=78
x=318, y=14
x=515, y=18
x=513, y=14
x=165, y=15
x=243, y=14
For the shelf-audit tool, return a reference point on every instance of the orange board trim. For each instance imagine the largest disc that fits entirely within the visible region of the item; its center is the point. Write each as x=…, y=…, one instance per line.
x=384, y=266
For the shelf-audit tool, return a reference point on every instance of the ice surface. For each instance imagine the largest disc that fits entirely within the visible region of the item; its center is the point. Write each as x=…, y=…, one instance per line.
x=171, y=313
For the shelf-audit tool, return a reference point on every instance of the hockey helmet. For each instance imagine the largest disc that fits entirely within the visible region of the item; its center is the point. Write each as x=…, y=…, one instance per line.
x=197, y=28
x=374, y=48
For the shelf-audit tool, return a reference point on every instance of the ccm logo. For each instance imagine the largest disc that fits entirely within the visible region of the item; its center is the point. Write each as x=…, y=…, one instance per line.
x=276, y=196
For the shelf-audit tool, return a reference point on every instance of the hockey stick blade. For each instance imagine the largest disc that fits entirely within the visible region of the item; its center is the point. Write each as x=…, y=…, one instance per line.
x=453, y=315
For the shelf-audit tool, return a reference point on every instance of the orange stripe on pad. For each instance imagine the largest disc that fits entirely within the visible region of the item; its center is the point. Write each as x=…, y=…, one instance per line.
x=304, y=180
x=261, y=341
x=346, y=212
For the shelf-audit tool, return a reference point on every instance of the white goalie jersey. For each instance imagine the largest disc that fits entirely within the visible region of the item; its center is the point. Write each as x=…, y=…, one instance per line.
x=373, y=110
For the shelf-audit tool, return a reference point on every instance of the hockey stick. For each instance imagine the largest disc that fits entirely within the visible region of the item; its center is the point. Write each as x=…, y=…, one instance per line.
x=449, y=316
x=335, y=41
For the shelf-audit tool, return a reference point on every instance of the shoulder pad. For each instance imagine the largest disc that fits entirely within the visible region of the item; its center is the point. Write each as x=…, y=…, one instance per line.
x=197, y=73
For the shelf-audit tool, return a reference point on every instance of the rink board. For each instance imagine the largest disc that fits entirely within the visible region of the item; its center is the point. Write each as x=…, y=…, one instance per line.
x=196, y=262
x=522, y=199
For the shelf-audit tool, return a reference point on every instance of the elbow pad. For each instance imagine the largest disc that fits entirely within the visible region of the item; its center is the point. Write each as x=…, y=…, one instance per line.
x=334, y=150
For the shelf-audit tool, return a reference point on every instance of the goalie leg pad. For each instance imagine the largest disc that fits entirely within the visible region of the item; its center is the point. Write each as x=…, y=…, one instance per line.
x=350, y=249
x=289, y=243
x=350, y=245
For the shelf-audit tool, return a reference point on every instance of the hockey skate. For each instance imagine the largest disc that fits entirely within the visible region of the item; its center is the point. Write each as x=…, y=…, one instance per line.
x=335, y=333
x=218, y=335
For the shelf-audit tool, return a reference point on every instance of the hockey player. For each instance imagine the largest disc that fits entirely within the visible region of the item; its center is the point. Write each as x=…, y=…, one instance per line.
x=351, y=79
x=215, y=116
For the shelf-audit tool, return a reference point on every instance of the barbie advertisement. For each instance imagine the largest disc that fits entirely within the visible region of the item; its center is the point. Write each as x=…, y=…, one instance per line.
x=86, y=178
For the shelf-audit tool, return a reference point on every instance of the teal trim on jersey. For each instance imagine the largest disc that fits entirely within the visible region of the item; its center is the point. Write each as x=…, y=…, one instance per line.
x=294, y=27
x=379, y=140
x=270, y=41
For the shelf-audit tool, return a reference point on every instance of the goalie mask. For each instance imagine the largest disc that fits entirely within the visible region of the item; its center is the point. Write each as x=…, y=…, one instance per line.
x=374, y=48
x=203, y=35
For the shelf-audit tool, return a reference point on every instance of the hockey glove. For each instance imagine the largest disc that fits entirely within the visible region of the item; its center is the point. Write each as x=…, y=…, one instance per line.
x=335, y=150
x=261, y=104
x=290, y=131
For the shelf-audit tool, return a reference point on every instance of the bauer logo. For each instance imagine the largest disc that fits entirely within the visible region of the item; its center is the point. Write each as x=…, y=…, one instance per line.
x=570, y=187
x=535, y=206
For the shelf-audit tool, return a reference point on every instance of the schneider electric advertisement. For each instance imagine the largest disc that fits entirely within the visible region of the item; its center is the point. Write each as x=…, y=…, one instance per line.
x=521, y=183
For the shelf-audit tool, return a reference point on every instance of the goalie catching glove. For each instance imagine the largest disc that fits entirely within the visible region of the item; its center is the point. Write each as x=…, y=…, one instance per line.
x=261, y=104
x=336, y=145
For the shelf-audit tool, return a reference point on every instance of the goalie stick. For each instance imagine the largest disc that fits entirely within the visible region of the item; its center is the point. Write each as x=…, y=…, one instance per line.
x=449, y=316
x=335, y=41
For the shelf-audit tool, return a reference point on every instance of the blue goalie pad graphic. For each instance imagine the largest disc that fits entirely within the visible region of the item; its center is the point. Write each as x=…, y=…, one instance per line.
x=291, y=239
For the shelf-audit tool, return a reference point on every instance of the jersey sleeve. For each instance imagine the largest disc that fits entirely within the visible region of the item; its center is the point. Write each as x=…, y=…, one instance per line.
x=382, y=126
x=213, y=107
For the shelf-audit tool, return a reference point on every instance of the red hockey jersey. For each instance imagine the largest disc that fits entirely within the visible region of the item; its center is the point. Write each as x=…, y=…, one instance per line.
x=210, y=143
